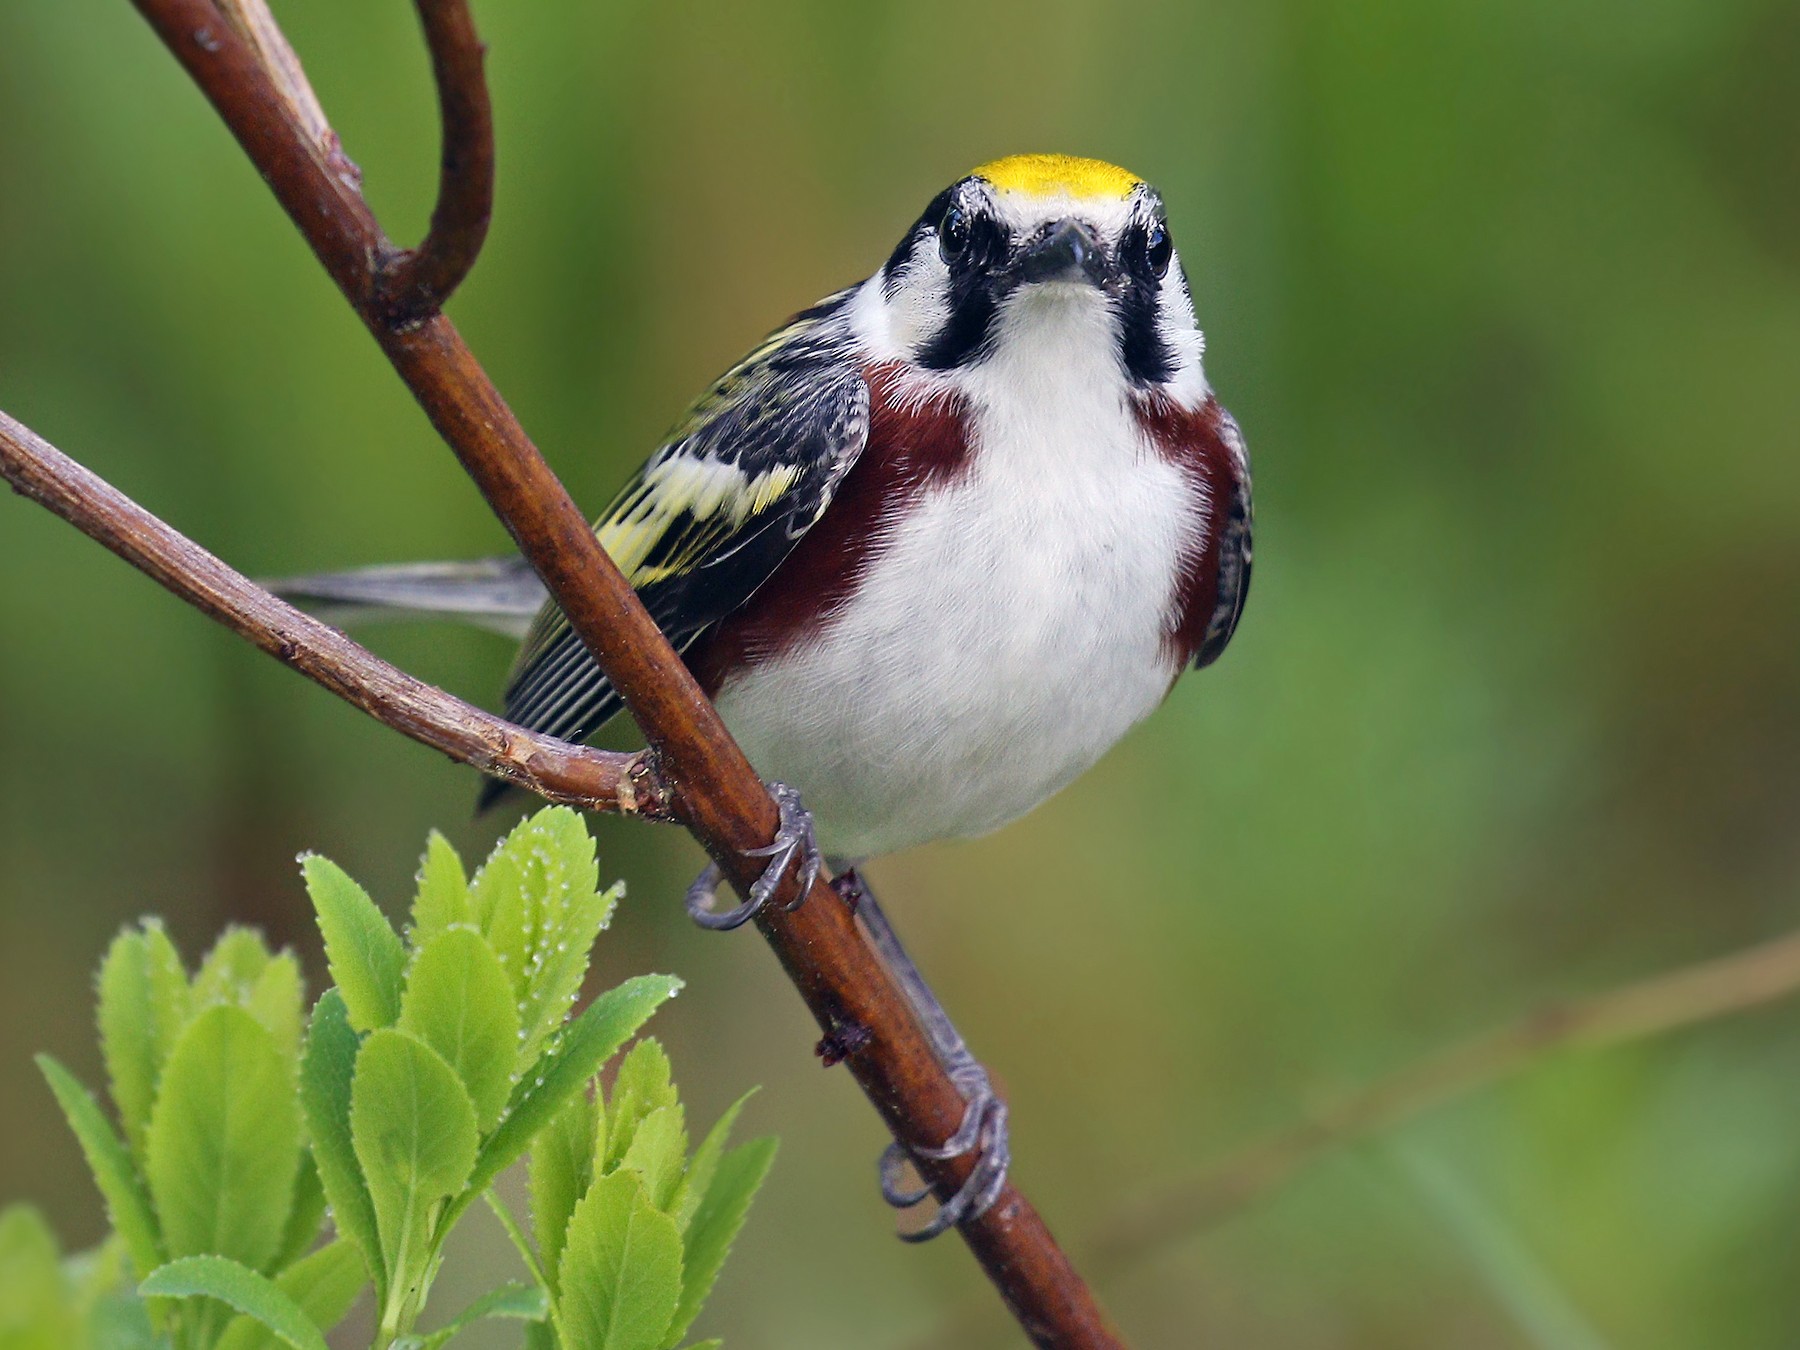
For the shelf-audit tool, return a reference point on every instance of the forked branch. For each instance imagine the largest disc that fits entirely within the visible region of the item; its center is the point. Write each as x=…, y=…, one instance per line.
x=416, y=283
x=237, y=57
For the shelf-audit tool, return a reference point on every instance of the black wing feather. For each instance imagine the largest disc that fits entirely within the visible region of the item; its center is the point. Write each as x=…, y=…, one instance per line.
x=777, y=432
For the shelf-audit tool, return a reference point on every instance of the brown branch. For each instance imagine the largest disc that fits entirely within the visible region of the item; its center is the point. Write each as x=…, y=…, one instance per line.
x=595, y=780
x=415, y=283
x=1190, y=1207
x=713, y=788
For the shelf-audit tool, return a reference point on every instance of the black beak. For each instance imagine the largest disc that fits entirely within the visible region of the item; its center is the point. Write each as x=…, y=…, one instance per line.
x=1065, y=251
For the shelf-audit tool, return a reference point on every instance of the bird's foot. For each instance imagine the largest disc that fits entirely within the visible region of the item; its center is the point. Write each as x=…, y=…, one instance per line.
x=983, y=1131
x=793, y=839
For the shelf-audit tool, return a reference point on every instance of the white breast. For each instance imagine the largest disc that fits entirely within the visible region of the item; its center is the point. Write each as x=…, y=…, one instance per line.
x=1012, y=628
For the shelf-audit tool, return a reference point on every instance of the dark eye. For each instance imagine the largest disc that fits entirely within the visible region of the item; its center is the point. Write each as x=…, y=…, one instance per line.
x=953, y=234
x=1158, y=250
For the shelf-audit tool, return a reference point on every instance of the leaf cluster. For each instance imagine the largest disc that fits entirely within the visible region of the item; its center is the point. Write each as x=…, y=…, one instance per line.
x=437, y=1059
x=631, y=1231
x=209, y=1157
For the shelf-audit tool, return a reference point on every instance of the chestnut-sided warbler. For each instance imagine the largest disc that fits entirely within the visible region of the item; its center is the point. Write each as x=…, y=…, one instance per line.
x=933, y=547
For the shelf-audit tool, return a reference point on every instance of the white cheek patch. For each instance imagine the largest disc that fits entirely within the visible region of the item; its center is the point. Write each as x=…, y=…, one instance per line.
x=1181, y=332
x=894, y=327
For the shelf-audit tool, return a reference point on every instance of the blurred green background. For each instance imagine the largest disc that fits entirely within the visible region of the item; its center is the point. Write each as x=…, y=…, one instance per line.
x=1507, y=299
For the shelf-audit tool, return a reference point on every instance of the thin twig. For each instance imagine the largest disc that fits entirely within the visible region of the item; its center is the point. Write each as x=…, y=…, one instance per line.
x=416, y=283
x=595, y=780
x=1678, y=998
x=715, y=790
x=1189, y=1207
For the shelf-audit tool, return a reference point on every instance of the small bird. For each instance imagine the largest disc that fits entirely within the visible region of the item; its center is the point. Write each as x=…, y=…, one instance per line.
x=932, y=548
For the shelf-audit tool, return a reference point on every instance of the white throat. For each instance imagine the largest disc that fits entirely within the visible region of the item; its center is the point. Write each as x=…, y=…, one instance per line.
x=1014, y=623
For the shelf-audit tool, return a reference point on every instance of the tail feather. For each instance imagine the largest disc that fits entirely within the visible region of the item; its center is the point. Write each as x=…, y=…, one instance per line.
x=501, y=594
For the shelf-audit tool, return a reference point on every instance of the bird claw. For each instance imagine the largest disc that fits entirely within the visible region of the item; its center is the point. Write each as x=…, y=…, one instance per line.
x=793, y=838
x=983, y=1127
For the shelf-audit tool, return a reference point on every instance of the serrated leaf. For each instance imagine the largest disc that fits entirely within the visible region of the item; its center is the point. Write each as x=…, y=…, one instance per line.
x=323, y=1285
x=325, y=1077
x=586, y=1043
x=658, y=1154
x=522, y=1302
x=230, y=970
x=497, y=895
x=718, y=1218
x=538, y=896
x=38, y=1309
x=413, y=1127
x=365, y=955
x=642, y=1085
x=442, y=900
x=460, y=1003
x=224, y=1140
x=305, y=1216
x=127, y=1202
x=239, y=1287
x=278, y=1001
x=558, y=1174
x=144, y=1001
x=621, y=1270
x=706, y=1162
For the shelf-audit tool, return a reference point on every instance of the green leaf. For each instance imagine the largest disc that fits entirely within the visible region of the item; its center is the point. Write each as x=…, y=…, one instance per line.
x=442, y=901
x=706, y=1162
x=716, y=1223
x=144, y=1003
x=241, y=971
x=325, y=1078
x=714, y=1344
x=586, y=1044
x=364, y=952
x=224, y=1141
x=621, y=1270
x=525, y=1302
x=305, y=1216
x=38, y=1308
x=460, y=1003
x=230, y=970
x=643, y=1085
x=323, y=1285
x=538, y=898
x=278, y=1001
x=497, y=895
x=239, y=1287
x=559, y=1173
x=127, y=1204
x=414, y=1131
x=658, y=1154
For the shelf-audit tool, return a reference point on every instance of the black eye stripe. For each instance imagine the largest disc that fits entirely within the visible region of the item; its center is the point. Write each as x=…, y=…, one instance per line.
x=960, y=228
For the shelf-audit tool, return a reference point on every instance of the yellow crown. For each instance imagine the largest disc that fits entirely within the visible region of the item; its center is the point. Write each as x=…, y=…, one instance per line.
x=1054, y=175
